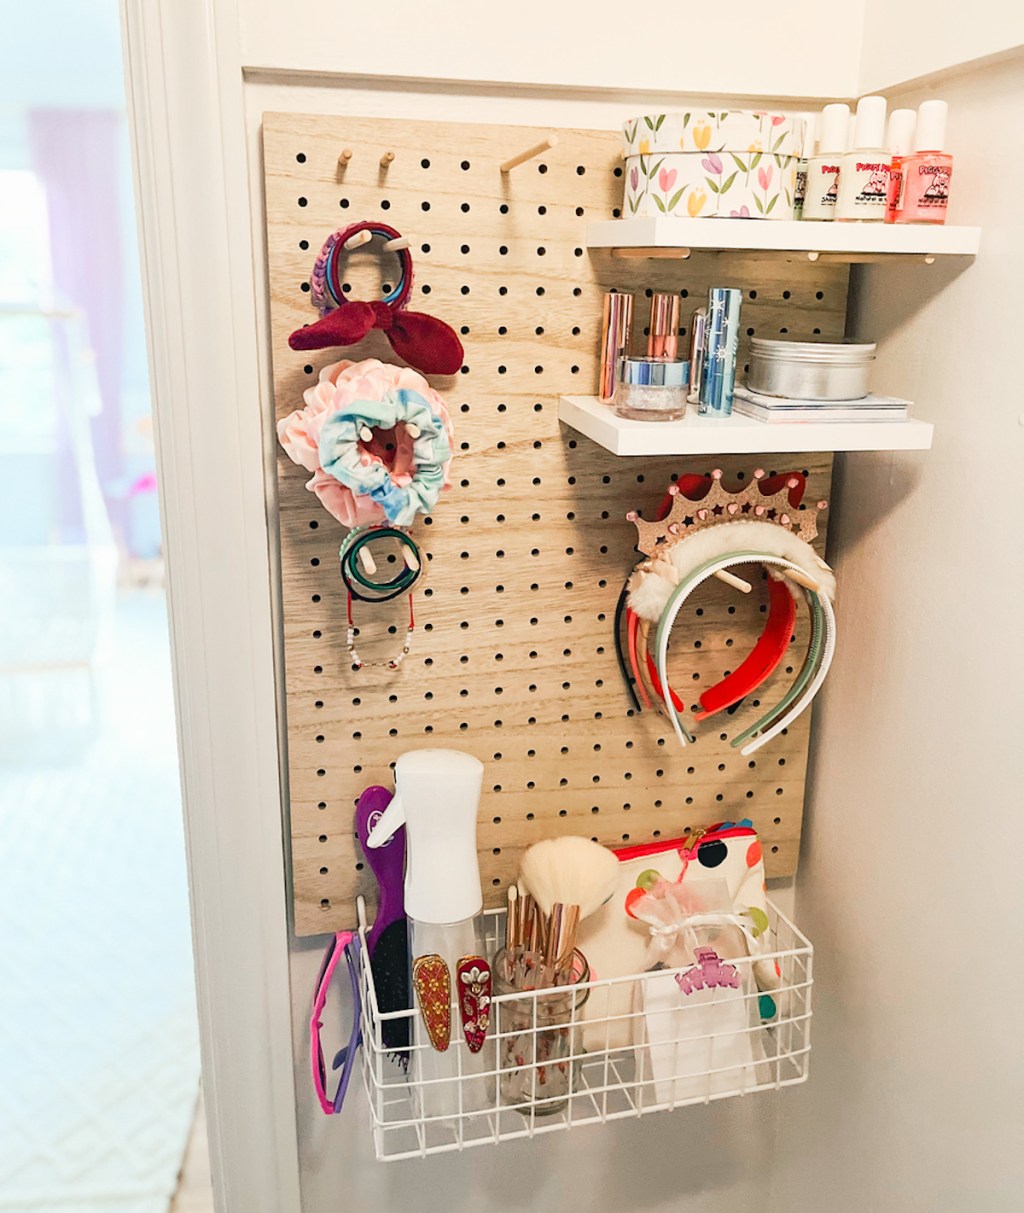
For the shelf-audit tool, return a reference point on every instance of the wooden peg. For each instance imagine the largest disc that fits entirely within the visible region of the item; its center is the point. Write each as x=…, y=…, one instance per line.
x=731, y=579
x=345, y=157
x=651, y=254
x=399, y=242
x=813, y=256
x=550, y=141
x=929, y=259
x=367, y=561
x=410, y=559
x=802, y=579
x=386, y=159
x=360, y=238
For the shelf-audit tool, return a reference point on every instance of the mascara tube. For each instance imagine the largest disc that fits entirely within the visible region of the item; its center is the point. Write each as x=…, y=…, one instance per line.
x=616, y=335
x=723, y=335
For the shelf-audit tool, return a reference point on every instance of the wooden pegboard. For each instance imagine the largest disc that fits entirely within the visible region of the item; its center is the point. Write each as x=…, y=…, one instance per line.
x=513, y=658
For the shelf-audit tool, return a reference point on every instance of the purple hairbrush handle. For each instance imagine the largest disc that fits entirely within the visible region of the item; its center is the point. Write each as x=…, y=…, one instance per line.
x=387, y=862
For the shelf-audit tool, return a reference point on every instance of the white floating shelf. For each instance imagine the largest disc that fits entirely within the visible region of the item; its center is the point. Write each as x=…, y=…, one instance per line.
x=736, y=435
x=834, y=239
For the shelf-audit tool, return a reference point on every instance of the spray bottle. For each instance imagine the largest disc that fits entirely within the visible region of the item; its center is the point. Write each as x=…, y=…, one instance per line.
x=437, y=794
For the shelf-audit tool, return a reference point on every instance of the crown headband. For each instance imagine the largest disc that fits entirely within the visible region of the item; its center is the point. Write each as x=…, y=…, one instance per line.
x=424, y=342
x=703, y=531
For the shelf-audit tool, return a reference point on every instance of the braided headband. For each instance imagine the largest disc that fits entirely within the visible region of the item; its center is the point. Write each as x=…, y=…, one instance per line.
x=424, y=342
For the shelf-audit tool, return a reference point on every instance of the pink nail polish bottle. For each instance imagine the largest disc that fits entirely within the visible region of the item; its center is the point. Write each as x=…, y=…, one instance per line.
x=924, y=192
x=899, y=141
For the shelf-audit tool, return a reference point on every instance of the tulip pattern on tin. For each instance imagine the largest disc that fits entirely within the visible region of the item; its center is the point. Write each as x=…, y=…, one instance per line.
x=738, y=164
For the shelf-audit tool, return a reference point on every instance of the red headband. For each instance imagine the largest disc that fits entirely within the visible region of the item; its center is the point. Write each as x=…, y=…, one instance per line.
x=426, y=343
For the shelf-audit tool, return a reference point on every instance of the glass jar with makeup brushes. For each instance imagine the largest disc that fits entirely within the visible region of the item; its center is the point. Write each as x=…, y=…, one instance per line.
x=539, y=1031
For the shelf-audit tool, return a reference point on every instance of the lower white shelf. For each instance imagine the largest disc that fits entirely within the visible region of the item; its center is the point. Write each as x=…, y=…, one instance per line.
x=736, y=435
x=547, y=1066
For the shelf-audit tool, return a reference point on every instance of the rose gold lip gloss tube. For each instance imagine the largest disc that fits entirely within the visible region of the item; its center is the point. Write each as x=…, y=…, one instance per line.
x=616, y=334
x=663, y=339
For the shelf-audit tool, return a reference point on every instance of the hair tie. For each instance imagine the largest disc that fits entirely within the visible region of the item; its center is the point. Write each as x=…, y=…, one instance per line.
x=363, y=587
x=426, y=343
x=377, y=439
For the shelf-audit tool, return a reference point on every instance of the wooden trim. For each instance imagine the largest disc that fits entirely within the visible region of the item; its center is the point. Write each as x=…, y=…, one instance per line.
x=185, y=104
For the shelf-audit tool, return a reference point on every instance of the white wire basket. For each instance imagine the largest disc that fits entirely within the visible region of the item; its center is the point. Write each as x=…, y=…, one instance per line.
x=540, y=1072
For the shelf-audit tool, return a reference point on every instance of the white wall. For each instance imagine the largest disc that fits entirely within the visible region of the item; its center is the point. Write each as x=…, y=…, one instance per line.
x=910, y=882
x=747, y=48
x=905, y=40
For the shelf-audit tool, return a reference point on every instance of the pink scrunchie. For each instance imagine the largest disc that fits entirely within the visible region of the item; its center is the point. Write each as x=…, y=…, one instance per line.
x=340, y=385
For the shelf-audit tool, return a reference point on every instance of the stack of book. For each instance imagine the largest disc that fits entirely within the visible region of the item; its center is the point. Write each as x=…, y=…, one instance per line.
x=778, y=408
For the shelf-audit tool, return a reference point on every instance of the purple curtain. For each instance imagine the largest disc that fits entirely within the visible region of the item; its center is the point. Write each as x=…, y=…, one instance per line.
x=76, y=156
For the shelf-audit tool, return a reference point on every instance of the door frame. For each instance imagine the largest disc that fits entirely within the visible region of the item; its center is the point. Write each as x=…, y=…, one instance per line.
x=184, y=90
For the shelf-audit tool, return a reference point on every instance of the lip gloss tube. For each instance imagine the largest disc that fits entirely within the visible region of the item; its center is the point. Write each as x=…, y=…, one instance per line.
x=698, y=322
x=663, y=339
x=721, y=343
x=616, y=335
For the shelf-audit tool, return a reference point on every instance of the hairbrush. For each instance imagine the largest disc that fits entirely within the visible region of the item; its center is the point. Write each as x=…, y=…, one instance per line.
x=387, y=941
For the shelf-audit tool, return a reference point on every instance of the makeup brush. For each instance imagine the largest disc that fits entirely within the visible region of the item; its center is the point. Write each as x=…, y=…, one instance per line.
x=571, y=870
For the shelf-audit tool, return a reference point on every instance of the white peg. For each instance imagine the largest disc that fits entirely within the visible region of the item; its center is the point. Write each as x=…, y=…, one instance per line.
x=367, y=561
x=365, y=433
x=550, y=141
x=399, y=242
x=412, y=429
x=359, y=239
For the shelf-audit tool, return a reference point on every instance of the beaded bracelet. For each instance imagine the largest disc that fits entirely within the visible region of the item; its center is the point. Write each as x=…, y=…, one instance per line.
x=362, y=588
x=392, y=663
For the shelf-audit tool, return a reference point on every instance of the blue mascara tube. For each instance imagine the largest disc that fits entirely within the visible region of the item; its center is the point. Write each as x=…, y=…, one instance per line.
x=721, y=340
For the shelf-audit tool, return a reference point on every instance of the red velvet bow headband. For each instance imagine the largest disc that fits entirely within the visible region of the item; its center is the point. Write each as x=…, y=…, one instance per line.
x=426, y=343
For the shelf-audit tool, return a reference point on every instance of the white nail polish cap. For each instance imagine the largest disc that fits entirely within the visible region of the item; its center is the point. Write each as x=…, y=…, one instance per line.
x=869, y=129
x=833, y=129
x=900, y=137
x=931, y=127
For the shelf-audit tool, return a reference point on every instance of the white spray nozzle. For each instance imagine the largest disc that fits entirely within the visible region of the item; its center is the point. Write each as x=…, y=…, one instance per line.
x=437, y=793
x=387, y=824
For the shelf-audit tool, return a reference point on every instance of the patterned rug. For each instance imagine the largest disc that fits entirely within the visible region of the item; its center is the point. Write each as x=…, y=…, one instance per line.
x=98, y=1041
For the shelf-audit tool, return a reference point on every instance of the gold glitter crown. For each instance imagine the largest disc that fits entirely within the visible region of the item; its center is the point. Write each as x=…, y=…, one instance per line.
x=719, y=505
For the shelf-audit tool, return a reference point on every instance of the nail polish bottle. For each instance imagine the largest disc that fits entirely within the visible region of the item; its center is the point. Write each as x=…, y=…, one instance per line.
x=807, y=142
x=924, y=195
x=864, y=177
x=899, y=140
x=823, y=168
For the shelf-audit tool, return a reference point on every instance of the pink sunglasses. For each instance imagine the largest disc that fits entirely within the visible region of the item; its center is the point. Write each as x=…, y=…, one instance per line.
x=346, y=942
